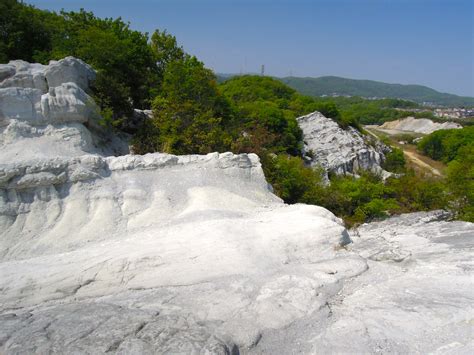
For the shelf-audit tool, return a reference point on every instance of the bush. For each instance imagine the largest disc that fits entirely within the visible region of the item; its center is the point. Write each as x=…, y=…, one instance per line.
x=444, y=144
x=416, y=193
x=293, y=181
x=460, y=181
x=394, y=161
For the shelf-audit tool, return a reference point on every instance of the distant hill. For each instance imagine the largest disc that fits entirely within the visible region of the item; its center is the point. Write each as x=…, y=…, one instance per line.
x=329, y=85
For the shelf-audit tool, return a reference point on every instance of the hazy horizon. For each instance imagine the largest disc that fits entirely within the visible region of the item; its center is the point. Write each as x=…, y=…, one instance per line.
x=423, y=42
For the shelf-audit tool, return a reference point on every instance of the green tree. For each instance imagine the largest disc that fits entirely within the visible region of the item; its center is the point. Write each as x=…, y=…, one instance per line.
x=445, y=144
x=394, y=161
x=293, y=181
x=190, y=115
x=23, y=32
x=263, y=103
x=460, y=181
x=165, y=49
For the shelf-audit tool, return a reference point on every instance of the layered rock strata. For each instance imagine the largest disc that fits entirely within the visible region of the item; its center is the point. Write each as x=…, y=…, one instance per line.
x=337, y=150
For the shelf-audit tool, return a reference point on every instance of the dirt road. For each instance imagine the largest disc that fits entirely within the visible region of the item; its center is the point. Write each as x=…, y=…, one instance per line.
x=411, y=155
x=416, y=160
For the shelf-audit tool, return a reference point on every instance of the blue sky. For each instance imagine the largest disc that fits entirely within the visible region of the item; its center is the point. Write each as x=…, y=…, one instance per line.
x=427, y=42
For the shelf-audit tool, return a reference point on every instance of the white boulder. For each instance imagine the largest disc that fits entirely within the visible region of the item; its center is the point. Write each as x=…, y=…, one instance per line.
x=67, y=70
x=337, y=150
x=18, y=73
x=194, y=248
x=6, y=71
x=45, y=107
x=68, y=103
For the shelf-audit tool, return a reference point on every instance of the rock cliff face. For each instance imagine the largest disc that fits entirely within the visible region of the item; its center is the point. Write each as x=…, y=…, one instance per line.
x=418, y=125
x=47, y=109
x=193, y=254
x=337, y=150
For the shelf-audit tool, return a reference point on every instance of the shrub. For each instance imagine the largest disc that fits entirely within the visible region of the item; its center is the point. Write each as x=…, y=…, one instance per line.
x=394, y=161
x=460, y=181
x=293, y=181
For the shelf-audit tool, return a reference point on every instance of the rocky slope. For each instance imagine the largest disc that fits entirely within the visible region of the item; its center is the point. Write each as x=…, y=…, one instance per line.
x=194, y=254
x=337, y=150
x=417, y=125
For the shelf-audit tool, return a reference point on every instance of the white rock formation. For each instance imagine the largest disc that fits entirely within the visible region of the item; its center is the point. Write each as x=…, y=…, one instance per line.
x=80, y=228
x=417, y=295
x=158, y=253
x=337, y=150
x=417, y=125
x=193, y=254
x=45, y=108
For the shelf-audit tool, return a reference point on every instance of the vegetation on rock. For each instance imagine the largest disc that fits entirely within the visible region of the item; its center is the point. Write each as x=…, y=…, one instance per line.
x=193, y=114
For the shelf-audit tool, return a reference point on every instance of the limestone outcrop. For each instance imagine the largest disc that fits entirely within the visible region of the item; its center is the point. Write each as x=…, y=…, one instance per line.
x=194, y=254
x=87, y=238
x=337, y=150
x=416, y=295
x=47, y=108
x=18, y=73
x=417, y=125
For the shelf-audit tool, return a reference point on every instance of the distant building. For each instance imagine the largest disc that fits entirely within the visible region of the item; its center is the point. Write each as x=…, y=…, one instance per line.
x=453, y=113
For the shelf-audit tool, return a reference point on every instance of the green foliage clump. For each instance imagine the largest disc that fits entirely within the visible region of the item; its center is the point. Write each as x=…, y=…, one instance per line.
x=456, y=148
x=189, y=115
x=394, y=161
x=23, y=31
x=460, y=181
x=356, y=199
x=361, y=199
x=366, y=198
x=262, y=107
x=248, y=88
x=293, y=181
x=444, y=144
x=417, y=193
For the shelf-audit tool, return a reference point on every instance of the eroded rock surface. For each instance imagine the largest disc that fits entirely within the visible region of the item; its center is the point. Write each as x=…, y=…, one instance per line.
x=47, y=109
x=194, y=255
x=337, y=150
x=190, y=252
x=416, y=296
